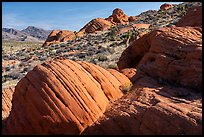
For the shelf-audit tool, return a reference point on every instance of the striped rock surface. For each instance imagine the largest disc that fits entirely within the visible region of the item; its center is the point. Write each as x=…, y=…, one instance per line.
x=151, y=108
x=173, y=54
x=62, y=97
x=7, y=95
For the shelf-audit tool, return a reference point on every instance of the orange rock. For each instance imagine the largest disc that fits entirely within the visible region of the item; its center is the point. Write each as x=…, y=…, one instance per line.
x=173, y=54
x=130, y=73
x=94, y=25
x=118, y=17
x=165, y=6
x=132, y=18
x=7, y=95
x=62, y=97
x=57, y=36
x=138, y=26
x=192, y=18
x=145, y=26
x=152, y=109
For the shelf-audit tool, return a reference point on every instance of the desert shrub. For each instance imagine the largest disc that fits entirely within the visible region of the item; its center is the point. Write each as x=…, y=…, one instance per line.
x=112, y=66
x=101, y=57
x=126, y=87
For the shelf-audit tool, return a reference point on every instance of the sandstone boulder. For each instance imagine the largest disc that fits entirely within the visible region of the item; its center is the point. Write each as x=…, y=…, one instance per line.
x=57, y=36
x=118, y=17
x=94, y=25
x=132, y=18
x=173, y=54
x=165, y=6
x=62, y=97
x=193, y=18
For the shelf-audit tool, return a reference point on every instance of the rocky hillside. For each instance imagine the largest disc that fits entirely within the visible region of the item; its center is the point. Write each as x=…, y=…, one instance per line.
x=139, y=78
x=31, y=33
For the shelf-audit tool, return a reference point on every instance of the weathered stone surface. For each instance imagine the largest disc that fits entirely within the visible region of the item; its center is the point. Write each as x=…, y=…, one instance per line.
x=57, y=36
x=151, y=108
x=165, y=6
x=173, y=54
x=118, y=17
x=62, y=97
x=130, y=73
x=94, y=25
x=132, y=18
x=192, y=18
x=7, y=95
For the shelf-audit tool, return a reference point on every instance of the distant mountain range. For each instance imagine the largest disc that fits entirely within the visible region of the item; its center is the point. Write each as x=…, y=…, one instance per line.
x=31, y=33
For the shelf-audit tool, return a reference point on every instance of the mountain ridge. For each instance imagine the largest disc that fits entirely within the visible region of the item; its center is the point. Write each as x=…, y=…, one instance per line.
x=31, y=33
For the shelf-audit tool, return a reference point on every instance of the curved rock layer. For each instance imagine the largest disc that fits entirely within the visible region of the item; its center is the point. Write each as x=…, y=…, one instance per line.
x=152, y=109
x=7, y=96
x=172, y=54
x=94, y=25
x=193, y=18
x=57, y=36
x=62, y=97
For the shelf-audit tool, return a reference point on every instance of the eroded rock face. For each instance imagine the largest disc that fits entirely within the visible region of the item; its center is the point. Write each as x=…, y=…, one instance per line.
x=165, y=6
x=192, y=18
x=62, y=97
x=151, y=108
x=94, y=25
x=173, y=54
x=57, y=36
x=118, y=17
x=7, y=96
x=132, y=18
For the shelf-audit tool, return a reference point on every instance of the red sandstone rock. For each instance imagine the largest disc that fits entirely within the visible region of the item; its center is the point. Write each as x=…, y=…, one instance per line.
x=118, y=17
x=145, y=26
x=7, y=95
x=165, y=6
x=132, y=18
x=57, y=36
x=151, y=108
x=192, y=18
x=173, y=54
x=62, y=97
x=137, y=26
x=94, y=25
x=129, y=72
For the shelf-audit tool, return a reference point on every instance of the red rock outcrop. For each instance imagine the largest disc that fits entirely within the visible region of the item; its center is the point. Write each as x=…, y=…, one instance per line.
x=118, y=17
x=62, y=97
x=57, y=36
x=151, y=108
x=132, y=18
x=166, y=97
x=94, y=25
x=192, y=18
x=173, y=54
x=7, y=95
x=165, y=6
x=137, y=26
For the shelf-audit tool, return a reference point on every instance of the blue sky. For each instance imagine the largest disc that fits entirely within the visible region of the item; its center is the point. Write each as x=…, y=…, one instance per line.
x=66, y=15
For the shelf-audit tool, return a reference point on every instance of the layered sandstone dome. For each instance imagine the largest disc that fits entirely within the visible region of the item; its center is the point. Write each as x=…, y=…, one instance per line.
x=57, y=36
x=62, y=97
